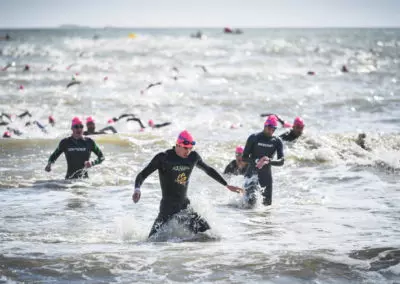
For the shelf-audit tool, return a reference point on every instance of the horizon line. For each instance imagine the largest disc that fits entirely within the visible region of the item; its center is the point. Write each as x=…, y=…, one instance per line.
x=73, y=26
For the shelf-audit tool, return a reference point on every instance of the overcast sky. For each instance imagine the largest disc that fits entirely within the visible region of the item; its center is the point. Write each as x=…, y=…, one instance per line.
x=204, y=13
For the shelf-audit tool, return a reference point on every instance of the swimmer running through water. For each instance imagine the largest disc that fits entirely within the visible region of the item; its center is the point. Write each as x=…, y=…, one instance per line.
x=174, y=168
x=295, y=132
x=77, y=150
x=259, y=152
x=237, y=166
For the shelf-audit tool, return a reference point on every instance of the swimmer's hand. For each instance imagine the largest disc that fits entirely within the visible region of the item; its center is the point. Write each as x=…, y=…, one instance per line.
x=136, y=195
x=48, y=168
x=235, y=189
x=262, y=162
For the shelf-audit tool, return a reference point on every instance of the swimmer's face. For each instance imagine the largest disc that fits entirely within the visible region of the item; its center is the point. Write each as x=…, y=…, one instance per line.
x=298, y=130
x=90, y=126
x=239, y=157
x=269, y=130
x=77, y=130
x=182, y=152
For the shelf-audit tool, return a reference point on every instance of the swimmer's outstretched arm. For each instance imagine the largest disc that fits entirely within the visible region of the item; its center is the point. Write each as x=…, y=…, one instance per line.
x=138, y=120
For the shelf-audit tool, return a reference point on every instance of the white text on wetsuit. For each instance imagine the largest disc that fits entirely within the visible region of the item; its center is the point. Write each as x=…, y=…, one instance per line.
x=265, y=145
x=76, y=149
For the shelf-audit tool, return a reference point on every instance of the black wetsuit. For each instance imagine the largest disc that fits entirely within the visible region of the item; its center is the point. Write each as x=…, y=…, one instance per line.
x=101, y=131
x=130, y=116
x=38, y=124
x=77, y=151
x=136, y=119
x=257, y=146
x=15, y=131
x=232, y=168
x=174, y=173
x=289, y=136
x=159, y=125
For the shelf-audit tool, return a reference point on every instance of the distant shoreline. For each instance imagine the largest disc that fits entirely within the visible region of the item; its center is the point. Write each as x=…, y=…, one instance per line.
x=77, y=27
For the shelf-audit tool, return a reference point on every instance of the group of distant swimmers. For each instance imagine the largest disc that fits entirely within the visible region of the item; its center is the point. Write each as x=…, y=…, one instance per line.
x=90, y=124
x=226, y=30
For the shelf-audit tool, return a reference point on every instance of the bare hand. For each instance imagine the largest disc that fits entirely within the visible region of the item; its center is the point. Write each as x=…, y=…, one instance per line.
x=88, y=164
x=262, y=162
x=48, y=168
x=136, y=196
x=235, y=189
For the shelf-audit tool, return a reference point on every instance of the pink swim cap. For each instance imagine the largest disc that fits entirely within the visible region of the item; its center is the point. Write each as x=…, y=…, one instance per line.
x=6, y=134
x=76, y=121
x=271, y=121
x=151, y=123
x=239, y=150
x=51, y=118
x=89, y=119
x=298, y=122
x=110, y=121
x=185, y=139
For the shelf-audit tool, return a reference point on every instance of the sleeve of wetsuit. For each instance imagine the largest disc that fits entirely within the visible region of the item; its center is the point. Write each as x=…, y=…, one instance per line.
x=284, y=136
x=154, y=164
x=280, y=157
x=228, y=169
x=210, y=171
x=281, y=121
x=248, y=148
x=99, y=154
x=57, y=152
x=136, y=119
x=162, y=124
x=126, y=115
x=41, y=126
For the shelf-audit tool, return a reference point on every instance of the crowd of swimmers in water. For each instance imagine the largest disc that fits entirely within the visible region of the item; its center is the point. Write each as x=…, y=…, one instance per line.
x=254, y=160
x=6, y=119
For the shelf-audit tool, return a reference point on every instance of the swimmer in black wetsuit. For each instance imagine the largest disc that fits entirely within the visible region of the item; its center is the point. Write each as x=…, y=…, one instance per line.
x=258, y=152
x=22, y=115
x=38, y=124
x=137, y=120
x=295, y=132
x=150, y=86
x=52, y=121
x=360, y=141
x=202, y=67
x=157, y=125
x=14, y=130
x=131, y=117
x=237, y=166
x=77, y=150
x=174, y=168
x=91, y=128
x=7, y=134
x=9, y=117
x=73, y=82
